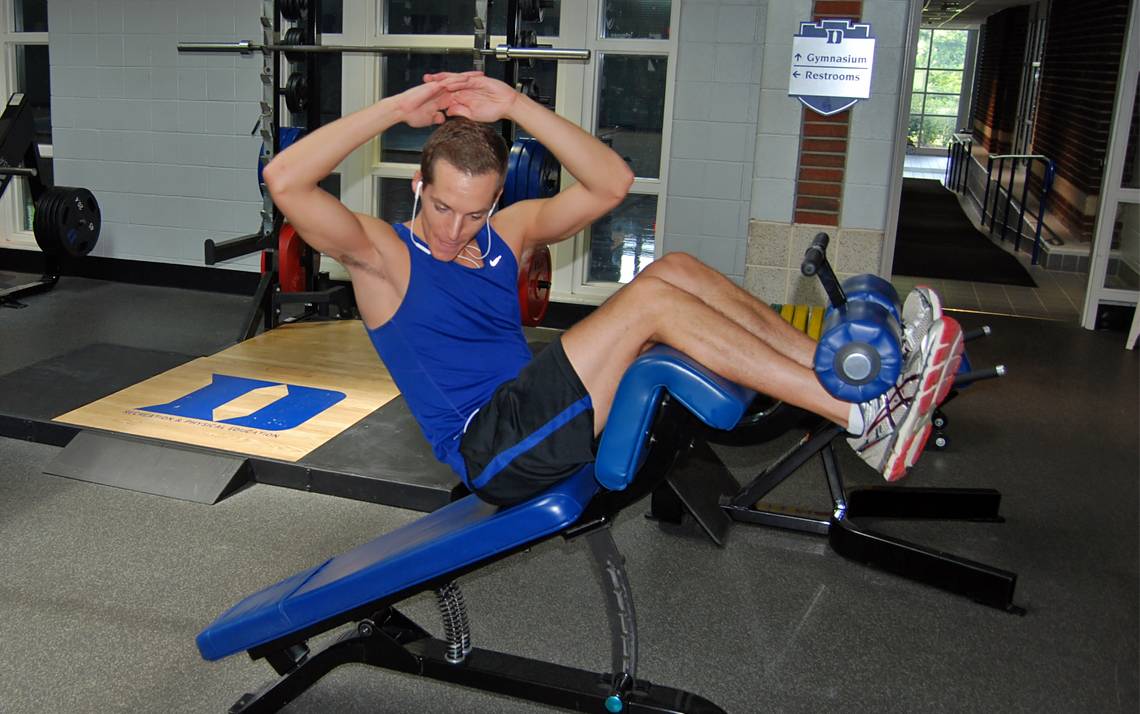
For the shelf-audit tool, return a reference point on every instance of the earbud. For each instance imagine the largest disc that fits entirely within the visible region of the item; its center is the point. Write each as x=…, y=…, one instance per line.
x=416, y=202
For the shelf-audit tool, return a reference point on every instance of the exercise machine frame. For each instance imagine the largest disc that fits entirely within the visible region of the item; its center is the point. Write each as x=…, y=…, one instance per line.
x=703, y=488
x=20, y=156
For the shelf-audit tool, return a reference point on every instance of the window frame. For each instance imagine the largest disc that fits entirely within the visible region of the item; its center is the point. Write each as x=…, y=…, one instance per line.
x=575, y=99
x=572, y=257
x=926, y=68
x=12, y=231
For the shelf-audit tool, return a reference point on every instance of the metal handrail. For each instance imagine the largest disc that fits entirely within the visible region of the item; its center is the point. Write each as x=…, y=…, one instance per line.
x=958, y=153
x=1050, y=173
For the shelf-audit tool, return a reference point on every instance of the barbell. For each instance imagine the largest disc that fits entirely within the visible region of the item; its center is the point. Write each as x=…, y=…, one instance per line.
x=503, y=52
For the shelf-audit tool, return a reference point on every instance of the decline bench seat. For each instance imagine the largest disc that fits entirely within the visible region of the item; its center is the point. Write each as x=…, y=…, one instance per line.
x=469, y=533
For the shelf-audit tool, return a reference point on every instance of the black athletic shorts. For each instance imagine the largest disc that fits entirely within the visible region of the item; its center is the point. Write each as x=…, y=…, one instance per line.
x=536, y=430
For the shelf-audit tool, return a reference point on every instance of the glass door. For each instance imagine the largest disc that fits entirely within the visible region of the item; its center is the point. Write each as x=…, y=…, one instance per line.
x=1114, y=275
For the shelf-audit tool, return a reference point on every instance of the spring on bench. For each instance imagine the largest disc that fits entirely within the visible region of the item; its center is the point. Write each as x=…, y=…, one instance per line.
x=456, y=627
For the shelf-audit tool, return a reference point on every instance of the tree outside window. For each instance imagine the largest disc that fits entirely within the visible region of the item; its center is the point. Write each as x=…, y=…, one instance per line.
x=937, y=91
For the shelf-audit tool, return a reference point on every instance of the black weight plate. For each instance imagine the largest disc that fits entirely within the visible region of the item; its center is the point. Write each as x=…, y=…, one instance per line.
x=293, y=9
x=294, y=36
x=84, y=221
x=44, y=224
x=296, y=93
x=77, y=221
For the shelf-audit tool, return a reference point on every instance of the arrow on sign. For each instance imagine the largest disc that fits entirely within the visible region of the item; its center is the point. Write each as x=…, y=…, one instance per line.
x=798, y=56
x=796, y=75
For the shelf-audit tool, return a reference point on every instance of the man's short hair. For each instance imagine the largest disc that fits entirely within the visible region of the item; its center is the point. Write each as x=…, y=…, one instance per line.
x=470, y=146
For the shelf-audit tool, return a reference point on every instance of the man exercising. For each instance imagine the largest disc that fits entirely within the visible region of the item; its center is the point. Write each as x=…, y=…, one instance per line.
x=438, y=297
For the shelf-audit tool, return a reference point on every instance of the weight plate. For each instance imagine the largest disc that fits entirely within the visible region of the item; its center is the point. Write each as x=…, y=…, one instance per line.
x=83, y=220
x=42, y=222
x=522, y=175
x=47, y=232
x=67, y=222
x=297, y=93
x=291, y=272
x=294, y=36
x=512, y=167
x=551, y=176
x=293, y=9
x=534, y=287
x=518, y=182
x=538, y=160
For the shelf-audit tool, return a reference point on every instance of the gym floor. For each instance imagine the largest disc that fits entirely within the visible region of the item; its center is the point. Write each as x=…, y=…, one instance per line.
x=107, y=588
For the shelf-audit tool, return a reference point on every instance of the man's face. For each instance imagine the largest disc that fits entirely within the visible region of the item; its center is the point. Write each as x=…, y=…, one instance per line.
x=454, y=208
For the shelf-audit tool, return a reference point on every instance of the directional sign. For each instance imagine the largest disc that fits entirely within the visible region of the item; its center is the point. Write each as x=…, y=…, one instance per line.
x=831, y=65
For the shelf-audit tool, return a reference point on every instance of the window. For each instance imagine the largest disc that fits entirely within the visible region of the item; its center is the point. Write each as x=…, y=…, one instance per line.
x=632, y=98
x=623, y=95
x=630, y=118
x=331, y=21
x=25, y=47
x=446, y=17
x=939, y=66
x=30, y=16
x=637, y=19
x=437, y=23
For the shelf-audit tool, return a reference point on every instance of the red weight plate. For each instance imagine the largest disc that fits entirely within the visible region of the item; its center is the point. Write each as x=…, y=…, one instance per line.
x=534, y=287
x=290, y=249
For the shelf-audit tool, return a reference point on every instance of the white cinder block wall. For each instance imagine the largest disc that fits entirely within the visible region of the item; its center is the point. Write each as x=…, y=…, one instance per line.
x=717, y=97
x=736, y=139
x=874, y=124
x=161, y=138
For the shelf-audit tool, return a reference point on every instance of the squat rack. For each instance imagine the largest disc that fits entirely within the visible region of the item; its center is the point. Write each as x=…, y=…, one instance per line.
x=318, y=294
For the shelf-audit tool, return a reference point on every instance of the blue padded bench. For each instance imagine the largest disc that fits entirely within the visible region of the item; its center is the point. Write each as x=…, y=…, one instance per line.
x=460, y=533
x=464, y=534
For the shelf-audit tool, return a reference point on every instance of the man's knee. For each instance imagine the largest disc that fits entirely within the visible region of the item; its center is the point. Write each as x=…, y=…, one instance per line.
x=648, y=289
x=676, y=268
x=647, y=297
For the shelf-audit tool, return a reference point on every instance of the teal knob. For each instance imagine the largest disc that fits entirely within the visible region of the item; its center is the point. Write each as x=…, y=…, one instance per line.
x=614, y=704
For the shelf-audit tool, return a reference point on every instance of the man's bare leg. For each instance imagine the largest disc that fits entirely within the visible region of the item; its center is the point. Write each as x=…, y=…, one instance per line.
x=651, y=310
x=726, y=297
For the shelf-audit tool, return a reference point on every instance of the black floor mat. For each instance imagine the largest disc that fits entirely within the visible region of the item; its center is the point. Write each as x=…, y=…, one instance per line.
x=935, y=239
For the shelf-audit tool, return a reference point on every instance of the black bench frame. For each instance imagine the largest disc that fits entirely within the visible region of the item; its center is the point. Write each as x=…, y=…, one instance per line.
x=703, y=487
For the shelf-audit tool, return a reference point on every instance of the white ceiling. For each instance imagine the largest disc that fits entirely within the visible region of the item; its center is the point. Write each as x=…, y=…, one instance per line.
x=963, y=14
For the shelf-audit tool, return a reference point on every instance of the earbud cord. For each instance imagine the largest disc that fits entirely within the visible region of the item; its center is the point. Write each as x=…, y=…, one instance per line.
x=415, y=203
x=487, y=252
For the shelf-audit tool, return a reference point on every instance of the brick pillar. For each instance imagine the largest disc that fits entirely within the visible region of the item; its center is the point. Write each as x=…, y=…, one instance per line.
x=823, y=150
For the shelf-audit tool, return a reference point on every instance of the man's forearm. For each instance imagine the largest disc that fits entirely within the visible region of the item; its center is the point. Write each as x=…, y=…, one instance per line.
x=593, y=164
x=314, y=157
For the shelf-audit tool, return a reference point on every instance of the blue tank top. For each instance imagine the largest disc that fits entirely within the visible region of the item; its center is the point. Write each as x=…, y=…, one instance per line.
x=456, y=336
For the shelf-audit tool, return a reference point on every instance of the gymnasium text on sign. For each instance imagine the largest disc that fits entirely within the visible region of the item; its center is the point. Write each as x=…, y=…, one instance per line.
x=831, y=65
